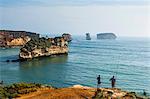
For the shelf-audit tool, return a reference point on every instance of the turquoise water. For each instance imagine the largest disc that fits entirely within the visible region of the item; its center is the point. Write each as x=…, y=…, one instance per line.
x=127, y=59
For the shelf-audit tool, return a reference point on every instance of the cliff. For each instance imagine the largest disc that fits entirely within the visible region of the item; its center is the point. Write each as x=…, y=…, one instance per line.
x=67, y=37
x=43, y=47
x=18, y=41
x=106, y=36
x=39, y=91
x=9, y=38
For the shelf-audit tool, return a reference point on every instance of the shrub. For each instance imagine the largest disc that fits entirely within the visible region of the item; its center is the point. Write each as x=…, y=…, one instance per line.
x=18, y=88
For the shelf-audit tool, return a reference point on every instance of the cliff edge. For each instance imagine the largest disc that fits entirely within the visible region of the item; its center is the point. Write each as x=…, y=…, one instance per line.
x=39, y=91
x=10, y=38
x=67, y=37
x=43, y=47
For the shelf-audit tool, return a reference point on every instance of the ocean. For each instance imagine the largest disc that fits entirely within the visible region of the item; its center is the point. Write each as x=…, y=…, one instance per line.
x=128, y=59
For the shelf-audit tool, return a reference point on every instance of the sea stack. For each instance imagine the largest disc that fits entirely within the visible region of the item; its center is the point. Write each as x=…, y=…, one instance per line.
x=43, y=47
x=88, y=36
x=106, y=36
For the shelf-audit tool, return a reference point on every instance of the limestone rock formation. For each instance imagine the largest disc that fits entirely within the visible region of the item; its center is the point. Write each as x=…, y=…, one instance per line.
x=106, y=36
x=40, y=91
x=88, y=36
x=18, y=41
x=67, y=37
x=43, y=47
x=10, y=38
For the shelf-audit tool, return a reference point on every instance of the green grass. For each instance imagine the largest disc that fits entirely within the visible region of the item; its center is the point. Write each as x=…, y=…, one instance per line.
x=17, y=89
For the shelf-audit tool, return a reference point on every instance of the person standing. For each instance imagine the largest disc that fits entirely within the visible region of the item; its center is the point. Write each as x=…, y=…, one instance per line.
x=144, y=92
x=1, y=83
x=98, y=81
x=113, y=81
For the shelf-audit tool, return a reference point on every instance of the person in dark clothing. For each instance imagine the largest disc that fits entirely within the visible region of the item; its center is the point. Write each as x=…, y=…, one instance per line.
x=9, y=97
x=98, y=81
x=144, y=92
x=113, y=81
x=1, y=83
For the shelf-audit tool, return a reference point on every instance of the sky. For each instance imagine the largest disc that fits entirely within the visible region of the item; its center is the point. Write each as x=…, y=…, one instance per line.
x=123, y=17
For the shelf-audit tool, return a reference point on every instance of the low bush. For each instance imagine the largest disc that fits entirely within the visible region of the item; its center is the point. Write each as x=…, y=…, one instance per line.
x=16, y=89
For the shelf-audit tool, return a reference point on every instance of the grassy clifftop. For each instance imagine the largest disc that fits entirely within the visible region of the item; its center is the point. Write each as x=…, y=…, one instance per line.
x=41, y=47
x=17, y=89
x=34, y=91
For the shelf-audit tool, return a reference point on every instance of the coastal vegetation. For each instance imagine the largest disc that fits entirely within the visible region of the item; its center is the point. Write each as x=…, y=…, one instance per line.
x=37, y=43
x=67, y=37
x=39, y=47
x=116, y=93
x=10, y=38
x=16, y=89
x=35, y=90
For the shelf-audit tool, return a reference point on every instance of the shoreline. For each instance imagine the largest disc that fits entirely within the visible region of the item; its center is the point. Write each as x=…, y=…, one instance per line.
x=23, y=60
x=35, y=90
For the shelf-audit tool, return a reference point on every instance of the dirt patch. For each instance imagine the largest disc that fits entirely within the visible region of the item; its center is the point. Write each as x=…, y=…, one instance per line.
x=61, y=93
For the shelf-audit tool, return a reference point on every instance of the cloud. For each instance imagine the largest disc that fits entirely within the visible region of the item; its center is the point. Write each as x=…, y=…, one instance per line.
x=8, y=3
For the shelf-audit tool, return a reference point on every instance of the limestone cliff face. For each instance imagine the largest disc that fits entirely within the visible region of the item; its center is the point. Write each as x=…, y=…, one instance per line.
x=67, y=37
x=18, y=41
x=43, y=47
x=10, y=38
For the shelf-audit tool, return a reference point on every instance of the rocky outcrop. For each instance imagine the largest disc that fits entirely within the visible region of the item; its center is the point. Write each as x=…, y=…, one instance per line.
x=40, y=91
x=88, y=36
x=111, y=93
x=15, y=90
x=106, y=36
x=9, y=38
x=18, y=41
x=43, y=47
x=67, y=37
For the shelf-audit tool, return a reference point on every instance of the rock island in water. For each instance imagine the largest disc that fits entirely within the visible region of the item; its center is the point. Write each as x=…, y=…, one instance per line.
x=106, y=36
x=40, y=47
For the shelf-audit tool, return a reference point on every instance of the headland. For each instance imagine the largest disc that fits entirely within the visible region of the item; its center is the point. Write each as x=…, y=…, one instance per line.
x=34, y=91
